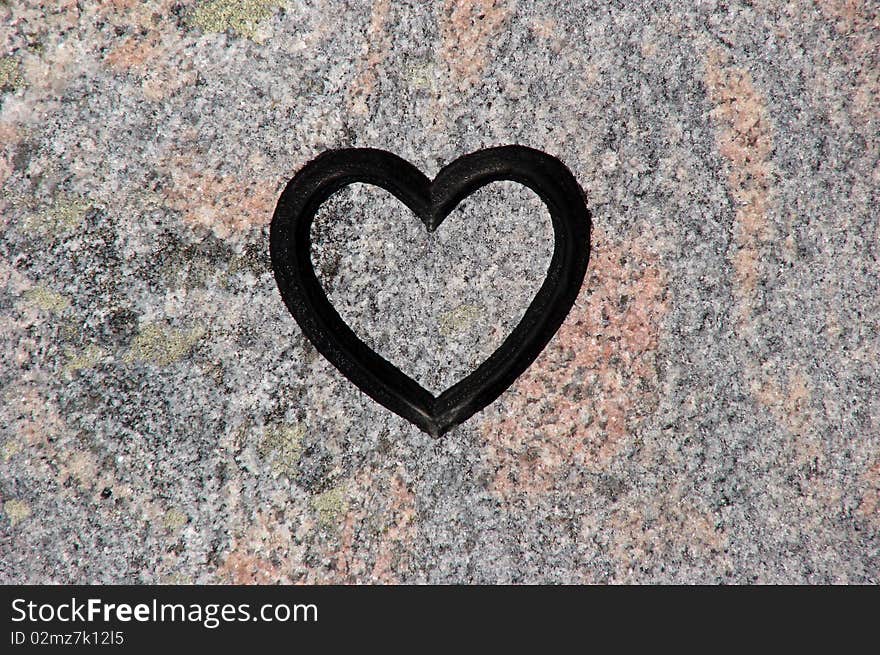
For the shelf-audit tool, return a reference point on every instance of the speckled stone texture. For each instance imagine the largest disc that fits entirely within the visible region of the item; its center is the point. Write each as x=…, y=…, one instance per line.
x=709, y=412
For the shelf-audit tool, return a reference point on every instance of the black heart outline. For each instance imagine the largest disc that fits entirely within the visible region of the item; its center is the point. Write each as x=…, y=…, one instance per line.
x=290, y=250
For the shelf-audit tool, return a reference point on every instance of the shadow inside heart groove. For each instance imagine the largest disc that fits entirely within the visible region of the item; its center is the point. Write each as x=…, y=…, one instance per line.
x=290, y=239
x=436, y=305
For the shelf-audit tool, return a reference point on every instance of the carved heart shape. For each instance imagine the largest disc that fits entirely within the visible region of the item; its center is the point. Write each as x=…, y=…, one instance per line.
x=290, y=249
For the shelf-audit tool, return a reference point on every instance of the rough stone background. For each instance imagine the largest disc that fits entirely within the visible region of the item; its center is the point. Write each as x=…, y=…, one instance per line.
x=710, y=411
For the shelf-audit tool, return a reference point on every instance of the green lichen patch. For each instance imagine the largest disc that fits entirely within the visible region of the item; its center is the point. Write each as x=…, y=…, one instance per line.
x=66, y=213
x=85, y=358
x=47, y=300
x=241, y=16
x=10, y=449
x=174, y=520
x=161, y=345
x=282, y=447
x=11, y=78
x=330, y=506
x=16, y=511
x=459, y=319
x=421, y=75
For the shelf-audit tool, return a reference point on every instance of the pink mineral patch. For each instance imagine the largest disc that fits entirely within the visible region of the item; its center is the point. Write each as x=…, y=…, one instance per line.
x=592, y=385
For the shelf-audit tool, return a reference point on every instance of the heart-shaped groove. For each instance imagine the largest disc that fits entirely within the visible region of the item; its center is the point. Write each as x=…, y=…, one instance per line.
x=290, y=249
x=434, y=304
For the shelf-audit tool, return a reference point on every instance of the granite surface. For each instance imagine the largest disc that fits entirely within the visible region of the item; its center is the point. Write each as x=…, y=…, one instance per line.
x=709, y=412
